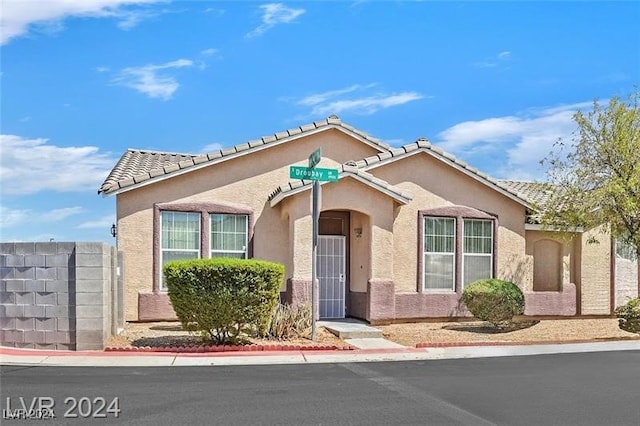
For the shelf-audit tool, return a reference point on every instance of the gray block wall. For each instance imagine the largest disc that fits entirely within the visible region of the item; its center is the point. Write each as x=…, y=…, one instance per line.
x=58, y=295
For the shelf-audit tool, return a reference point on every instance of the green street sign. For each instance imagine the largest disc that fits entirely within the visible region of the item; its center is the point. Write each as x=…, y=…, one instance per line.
x=314, y=158
x=327, y=175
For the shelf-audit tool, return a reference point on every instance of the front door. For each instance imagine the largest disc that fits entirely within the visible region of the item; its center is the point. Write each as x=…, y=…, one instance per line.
x=331, y=275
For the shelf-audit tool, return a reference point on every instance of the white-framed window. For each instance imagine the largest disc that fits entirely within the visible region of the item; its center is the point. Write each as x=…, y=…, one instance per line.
x=477, y=250
x=179, y=237
x=229, y=235
x=439, y=263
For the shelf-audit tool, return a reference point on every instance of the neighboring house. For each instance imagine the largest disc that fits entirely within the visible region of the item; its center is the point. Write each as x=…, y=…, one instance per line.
x=402, y=231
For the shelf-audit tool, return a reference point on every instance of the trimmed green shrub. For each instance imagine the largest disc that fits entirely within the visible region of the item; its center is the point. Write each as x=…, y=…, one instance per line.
x=629, y=316
x=224, y=298
x=495, y=301
x=290, y=321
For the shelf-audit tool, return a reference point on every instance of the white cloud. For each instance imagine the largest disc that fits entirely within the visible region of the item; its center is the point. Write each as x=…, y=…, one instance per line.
x=523, y=139
x=332, y=102
x=148, y=80
x=209, y=52
x=211, y=148
x=500, y=59
x=14, y=217
x=20, y=16
x=274, y=14
x=103, y=222
x=28, y=166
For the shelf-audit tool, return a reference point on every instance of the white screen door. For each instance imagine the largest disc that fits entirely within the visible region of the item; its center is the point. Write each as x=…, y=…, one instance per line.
x=331, y=275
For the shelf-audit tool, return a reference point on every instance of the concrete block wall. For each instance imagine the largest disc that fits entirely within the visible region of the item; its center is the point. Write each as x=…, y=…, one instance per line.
x=58, y=295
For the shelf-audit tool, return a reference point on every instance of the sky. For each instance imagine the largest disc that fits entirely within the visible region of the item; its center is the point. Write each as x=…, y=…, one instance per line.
x=81, y=81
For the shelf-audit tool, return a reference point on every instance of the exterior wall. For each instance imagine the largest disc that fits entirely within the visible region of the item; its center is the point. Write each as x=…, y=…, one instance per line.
x=595, y=279
x=59, y=295
x=438, y=185
x=626, y=280
x=562, y=301
x=245, y=181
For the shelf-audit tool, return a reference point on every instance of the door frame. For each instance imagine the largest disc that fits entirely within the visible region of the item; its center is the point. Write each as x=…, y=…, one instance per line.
x=344, y=216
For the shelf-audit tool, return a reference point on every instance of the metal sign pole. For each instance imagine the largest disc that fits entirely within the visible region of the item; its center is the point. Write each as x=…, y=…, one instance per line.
x=315, y=290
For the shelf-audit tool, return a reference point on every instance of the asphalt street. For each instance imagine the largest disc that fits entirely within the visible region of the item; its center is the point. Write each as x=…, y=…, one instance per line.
x=563, y=389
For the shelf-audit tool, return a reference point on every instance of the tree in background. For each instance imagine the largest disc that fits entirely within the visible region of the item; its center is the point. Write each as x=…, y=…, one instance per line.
x=594, y=179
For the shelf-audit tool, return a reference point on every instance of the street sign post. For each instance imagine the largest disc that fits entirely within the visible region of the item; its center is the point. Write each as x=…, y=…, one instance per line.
x=313, y=173
x=316, y=174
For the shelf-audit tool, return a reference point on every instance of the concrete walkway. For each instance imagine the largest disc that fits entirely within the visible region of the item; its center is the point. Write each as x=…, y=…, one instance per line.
x=10, y=356
x=358, y=334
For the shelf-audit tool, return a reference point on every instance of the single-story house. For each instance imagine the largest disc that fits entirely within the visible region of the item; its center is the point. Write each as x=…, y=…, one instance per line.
x=402, y=230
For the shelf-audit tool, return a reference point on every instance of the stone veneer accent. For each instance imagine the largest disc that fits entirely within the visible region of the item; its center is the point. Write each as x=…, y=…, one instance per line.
x=59, y=295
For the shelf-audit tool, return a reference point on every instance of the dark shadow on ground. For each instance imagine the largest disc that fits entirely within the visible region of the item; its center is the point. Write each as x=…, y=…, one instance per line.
x=486, y=328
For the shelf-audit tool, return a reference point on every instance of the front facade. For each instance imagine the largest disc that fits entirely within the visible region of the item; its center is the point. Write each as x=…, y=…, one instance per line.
x=402, y=231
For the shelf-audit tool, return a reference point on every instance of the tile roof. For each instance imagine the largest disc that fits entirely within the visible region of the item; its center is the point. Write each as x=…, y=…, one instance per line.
x=345, y=170
x=137, y=166
x=534, y=192
x=423, y=145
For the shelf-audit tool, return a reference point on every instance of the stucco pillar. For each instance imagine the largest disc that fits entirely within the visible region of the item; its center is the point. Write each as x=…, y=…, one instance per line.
x=381, y=288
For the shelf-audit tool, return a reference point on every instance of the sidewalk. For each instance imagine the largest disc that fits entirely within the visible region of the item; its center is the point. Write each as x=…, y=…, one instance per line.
x=11, y=356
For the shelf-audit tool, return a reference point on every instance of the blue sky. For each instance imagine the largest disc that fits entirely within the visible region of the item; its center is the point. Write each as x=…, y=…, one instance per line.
x=495, y=83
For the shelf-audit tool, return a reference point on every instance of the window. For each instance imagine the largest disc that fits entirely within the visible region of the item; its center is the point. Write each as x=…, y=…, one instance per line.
x=229, y=235
x=199, y=230
x=180, y=236
x=439, y=253
x=477, y=249
x=457, y=248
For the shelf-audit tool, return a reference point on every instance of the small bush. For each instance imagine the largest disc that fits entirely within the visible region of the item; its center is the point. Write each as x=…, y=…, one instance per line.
x=494, y=301
x=629, y=316
x=223, y=298
x=290, y=321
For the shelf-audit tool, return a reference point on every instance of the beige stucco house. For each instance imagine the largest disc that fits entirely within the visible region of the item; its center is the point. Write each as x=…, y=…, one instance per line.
x=402, y=231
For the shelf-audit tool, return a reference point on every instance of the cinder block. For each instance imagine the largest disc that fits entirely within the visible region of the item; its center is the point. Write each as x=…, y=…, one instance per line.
x=34, y=260
x=57, y=286
x=83, y=299
x=89, y=286
x=63, y=324
x=14, y=260
x=34, y=285
x=6, y=273
x=7, y=248
x=56, y=311
x=16, y=311
x=65, y=248
x=89, y=312
x=57, y=260
x=45, y=324
x=44, y=273
x=65, y=273
x=24, y=273
x=46, y=298
x=89, y=337
x=7, y=297
x=56, y=337
x=89, y=273
x=14, y=336
x=34, y=311
x=34, y=336
x=93, y=259
x=45, y=346
x=25, y=324
x=46, y=248
x=25, y=298
x=3, y=260
x=87, y=324
x=7, y=323
x=25, y=248
x=25, y=345
x=65, y=347
x=90, y=247
x=64, y=299
x=14, y=285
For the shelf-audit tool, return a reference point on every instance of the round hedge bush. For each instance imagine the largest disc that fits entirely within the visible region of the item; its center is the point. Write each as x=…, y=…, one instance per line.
x=495, y=301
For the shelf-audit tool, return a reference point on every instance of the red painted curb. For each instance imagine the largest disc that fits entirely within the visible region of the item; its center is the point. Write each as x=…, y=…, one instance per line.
x=230, y=348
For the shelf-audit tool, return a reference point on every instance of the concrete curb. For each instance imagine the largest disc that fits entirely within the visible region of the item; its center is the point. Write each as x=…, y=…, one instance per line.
x=33, y=357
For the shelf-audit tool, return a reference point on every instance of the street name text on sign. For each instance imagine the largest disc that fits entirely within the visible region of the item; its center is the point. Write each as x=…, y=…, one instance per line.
x=316, y=173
